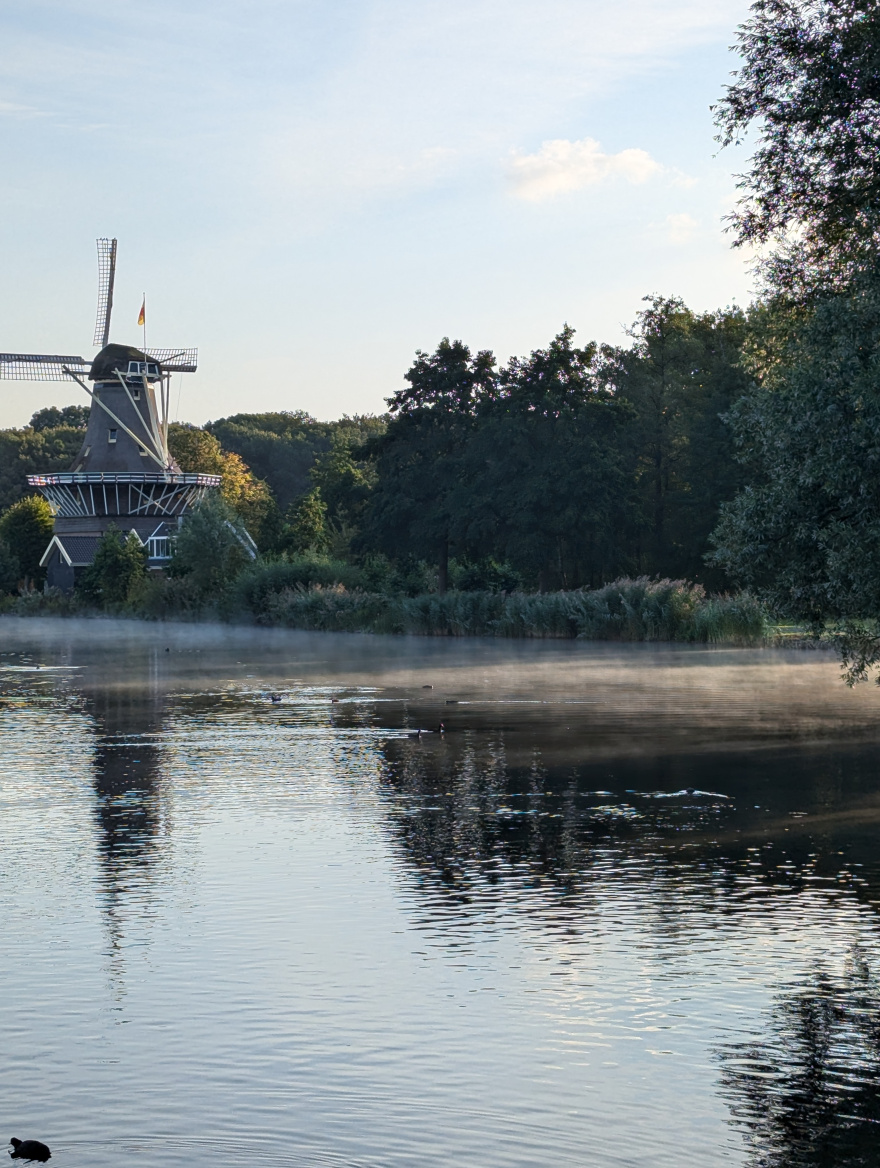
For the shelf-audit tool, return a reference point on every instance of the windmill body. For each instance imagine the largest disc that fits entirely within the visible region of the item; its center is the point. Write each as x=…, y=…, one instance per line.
x=123, y=475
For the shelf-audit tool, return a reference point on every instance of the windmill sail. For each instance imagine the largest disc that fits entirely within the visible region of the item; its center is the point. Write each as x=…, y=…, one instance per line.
x=106, y=280
x=175, y=360
x=40, y=367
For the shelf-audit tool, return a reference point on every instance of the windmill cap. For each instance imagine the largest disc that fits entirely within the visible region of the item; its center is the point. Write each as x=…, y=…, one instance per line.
x=113, y=357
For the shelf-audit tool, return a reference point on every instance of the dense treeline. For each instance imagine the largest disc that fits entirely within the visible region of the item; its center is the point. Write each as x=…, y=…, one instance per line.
x=567, y=468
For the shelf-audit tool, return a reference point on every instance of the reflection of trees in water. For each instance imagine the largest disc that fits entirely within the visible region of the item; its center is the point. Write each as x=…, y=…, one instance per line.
x=479, y=823
x=807, y=1092
x=476, y=826
x=128, y=806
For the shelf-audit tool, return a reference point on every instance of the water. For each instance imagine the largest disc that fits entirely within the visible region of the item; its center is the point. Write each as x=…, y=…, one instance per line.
x=623, y=912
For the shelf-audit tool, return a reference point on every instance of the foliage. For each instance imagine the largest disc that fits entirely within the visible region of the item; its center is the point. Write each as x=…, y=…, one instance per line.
x=198, y=451
x=261, y=581
x=26, y=529
x=284, y=448
x=805, y=531
x=53, y=417
x=10, y=569
x=28, y=451
x=681, y=376
x=120, y=563
x=808, y=88
x=485, y=575
x=544, y=486
x=417, y=505
x=210, y=549
x=635, y=610
x=305, y=529
x=343, y=474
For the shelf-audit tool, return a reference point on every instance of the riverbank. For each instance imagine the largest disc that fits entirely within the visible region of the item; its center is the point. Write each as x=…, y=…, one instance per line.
x=625, y=610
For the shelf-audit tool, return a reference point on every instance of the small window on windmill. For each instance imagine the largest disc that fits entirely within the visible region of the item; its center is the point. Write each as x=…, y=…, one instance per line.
x=159, y=547
x=142, y=451
x=136, y=392
x=111, y=435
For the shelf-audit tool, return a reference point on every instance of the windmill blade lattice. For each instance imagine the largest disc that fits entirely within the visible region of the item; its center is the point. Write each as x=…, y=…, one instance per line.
x=40, y=367
x=106, y=280
x=175, y=360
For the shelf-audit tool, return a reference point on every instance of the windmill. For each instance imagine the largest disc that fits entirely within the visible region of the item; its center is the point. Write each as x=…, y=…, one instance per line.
x=124, y=474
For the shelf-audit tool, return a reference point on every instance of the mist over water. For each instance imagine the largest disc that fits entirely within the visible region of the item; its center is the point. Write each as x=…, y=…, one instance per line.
x=624, y=911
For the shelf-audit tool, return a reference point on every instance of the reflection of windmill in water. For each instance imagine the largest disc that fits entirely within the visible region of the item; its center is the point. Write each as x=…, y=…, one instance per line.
x=130, y=811
x=124, y=475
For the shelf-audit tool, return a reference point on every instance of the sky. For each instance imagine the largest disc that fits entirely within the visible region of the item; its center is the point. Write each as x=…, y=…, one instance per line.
x=310, y=191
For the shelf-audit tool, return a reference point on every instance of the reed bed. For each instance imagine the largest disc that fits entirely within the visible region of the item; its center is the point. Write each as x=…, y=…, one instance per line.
x=626, y=610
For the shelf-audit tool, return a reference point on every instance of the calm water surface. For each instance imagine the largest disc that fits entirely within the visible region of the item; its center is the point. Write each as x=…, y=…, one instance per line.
x=623, y=912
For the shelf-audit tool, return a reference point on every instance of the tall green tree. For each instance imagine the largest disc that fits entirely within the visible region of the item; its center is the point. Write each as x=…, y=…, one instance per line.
x=28, y=451
x=26, y=529
x=211, y=547
x=306, y=527
x=55, y=417
x=544, y=484
x=805, y=531
x=415, y=507
x=808, y=91
x=681, y=375
x=198, y=450
x=120, y=563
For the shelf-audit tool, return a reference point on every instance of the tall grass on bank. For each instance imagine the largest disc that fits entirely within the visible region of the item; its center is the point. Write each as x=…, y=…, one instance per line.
x=627, y=610
x=296, y=596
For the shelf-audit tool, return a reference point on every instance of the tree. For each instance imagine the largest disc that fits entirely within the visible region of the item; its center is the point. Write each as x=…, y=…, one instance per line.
x=544, y=485
x=26, y=529
x=28, y=451
x=805, y=532
x=414, y=508
x=10, y=571
x=53, y=418
x=681, y=375
x=306, y=527
x=120, y=563
x=198, y=451
x=211, y=547
x=344, y=474
x=808, y=87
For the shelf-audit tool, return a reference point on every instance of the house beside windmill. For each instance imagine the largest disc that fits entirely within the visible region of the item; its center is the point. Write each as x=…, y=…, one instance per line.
x=124, y=475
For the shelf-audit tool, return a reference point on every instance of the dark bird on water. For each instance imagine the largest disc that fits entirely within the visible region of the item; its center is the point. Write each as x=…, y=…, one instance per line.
x=29, y=1150
x=275, y=697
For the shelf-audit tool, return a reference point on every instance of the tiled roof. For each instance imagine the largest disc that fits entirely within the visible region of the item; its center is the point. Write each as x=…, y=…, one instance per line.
x=80, y=549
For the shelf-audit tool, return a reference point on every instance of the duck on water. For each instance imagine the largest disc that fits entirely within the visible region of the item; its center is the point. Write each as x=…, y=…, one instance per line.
x=29, y=1150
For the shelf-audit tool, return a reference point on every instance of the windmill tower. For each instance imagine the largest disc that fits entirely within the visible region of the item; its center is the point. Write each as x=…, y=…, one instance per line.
x=124, y=474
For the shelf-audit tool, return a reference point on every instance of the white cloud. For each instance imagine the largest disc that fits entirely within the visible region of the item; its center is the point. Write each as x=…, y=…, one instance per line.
x=561, y=166
x=681, y=228
x=11, y=109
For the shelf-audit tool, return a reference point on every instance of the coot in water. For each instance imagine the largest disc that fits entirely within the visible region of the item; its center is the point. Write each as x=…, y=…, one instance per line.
x=29, y=1150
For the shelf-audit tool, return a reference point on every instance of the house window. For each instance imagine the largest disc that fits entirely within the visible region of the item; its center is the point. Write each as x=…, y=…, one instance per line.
x=159, y=547
x=111, y=435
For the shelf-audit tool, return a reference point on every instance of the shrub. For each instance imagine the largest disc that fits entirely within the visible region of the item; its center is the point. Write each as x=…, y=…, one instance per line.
x=120, y=563
x=26, y=527
x=211, y=547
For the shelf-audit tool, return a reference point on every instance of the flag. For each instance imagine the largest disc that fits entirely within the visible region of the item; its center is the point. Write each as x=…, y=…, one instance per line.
x=142, y=315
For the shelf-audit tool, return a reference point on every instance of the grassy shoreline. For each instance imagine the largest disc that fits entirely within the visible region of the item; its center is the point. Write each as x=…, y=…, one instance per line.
x=625, y=610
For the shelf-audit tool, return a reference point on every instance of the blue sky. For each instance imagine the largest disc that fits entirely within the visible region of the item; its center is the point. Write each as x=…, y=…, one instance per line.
x=311, y=190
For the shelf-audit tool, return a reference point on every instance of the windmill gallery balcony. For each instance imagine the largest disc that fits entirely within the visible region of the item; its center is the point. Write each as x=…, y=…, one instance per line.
x=93, y=494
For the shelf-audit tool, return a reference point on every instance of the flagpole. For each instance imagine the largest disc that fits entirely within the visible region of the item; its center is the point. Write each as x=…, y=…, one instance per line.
x=144, y=302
